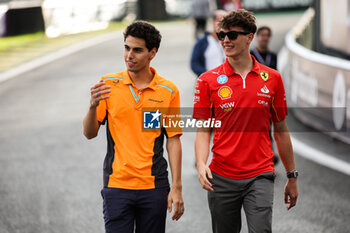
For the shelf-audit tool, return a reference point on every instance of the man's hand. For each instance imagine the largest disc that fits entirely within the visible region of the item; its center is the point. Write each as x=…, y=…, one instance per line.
x=91, y=125
x=203, y=174
x=291, y=193
x=98, y=92
x=175, y=197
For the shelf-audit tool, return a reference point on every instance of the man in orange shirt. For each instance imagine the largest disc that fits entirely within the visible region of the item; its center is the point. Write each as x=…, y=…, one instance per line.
x=136, y=188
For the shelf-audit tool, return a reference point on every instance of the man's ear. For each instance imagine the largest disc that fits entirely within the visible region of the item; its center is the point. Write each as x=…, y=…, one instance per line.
x=250, y=38
x=153, y=53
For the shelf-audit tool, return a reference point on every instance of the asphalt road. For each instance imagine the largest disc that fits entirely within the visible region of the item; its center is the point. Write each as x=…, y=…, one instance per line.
x=51, y=176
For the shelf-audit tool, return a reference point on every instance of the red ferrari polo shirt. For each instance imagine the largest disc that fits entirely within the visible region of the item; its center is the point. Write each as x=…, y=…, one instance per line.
x=245, y=105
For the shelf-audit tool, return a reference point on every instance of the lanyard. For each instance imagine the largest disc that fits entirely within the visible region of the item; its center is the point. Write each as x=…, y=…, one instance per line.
x=260, y=59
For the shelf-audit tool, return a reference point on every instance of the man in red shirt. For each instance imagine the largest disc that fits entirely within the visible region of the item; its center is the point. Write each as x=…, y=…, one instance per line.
x=244, y=95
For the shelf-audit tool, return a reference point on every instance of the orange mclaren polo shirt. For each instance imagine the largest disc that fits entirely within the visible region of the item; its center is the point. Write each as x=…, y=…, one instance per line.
x=134, y=158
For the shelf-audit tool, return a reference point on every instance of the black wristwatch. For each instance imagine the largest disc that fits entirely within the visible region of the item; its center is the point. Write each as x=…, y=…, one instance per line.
x=293, y=174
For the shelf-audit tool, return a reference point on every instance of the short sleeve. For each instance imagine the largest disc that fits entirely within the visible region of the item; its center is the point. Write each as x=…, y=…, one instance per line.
x=279, y=103
x=175, y=111
x=101, y=111
x=201, y=101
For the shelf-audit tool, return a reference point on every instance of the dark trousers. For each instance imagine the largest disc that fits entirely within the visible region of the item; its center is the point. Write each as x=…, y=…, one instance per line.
x=254, y=194
x=144, y=210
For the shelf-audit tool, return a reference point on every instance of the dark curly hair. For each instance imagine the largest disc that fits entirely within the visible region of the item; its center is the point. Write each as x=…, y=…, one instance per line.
x=146, y=31
x=239, y=18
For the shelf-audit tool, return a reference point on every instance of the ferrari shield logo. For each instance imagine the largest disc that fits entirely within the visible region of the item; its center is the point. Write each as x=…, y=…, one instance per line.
x=264, y=75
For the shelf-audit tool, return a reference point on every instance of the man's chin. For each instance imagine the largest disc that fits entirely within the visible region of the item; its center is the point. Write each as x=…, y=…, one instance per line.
x=231, y=55
x=131, y=69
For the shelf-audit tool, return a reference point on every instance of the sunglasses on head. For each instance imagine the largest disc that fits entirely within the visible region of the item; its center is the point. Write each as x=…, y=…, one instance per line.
x=232, y=35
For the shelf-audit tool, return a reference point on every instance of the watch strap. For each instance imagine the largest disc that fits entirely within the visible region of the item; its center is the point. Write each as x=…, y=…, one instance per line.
x=292, y=174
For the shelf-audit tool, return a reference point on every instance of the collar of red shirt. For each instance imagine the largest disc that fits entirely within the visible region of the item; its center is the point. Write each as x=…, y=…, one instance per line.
x=229, y=71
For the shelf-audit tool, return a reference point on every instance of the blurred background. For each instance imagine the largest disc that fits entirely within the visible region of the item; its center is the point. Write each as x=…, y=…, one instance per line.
x=53, y=51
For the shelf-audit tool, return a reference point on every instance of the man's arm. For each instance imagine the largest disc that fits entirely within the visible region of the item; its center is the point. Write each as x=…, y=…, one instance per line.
x=285, y=150
x=202, y=147
x=173, y=146
x=197, y=58
x=90, y=123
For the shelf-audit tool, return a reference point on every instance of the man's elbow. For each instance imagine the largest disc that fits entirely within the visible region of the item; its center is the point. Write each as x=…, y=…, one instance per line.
x=194, y=69
x=175, y=140
x=276, y=136
x=281, y=136
x=199, y=71
x=90, y=135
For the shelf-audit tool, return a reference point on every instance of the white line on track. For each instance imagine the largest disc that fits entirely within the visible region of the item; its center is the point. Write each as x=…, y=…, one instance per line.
x=320, y=157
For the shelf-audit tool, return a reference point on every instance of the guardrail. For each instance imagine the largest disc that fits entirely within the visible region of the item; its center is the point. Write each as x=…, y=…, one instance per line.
x=317, y=85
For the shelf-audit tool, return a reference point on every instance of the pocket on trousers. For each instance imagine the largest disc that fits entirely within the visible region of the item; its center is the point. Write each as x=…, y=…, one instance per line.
x=264, y=192
x=112, y=204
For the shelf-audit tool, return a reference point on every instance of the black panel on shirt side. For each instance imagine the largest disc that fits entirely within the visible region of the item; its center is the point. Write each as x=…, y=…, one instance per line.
x=160, y=166
x=107, y=165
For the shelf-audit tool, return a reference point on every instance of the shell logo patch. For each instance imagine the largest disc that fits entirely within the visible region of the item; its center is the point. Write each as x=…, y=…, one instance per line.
x=225, y=92
x=264, y=75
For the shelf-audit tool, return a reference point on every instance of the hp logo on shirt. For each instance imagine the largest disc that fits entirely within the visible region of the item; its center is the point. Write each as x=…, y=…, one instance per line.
x=222, y=79
x=151, y=120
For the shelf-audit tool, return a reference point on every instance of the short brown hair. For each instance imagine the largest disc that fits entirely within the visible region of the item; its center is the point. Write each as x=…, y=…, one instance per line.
x=239, y=18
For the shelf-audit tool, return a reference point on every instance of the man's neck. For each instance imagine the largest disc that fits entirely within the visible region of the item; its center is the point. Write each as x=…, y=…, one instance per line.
x=241, y=64
x=141, y=78
x=262, y=49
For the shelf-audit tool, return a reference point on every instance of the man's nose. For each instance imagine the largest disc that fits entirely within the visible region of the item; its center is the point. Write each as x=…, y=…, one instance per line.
x=226, y=39
x=130, y=55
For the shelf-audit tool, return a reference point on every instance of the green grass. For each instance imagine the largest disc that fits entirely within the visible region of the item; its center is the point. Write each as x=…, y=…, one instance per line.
x=116, y=25
x=7, y=44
